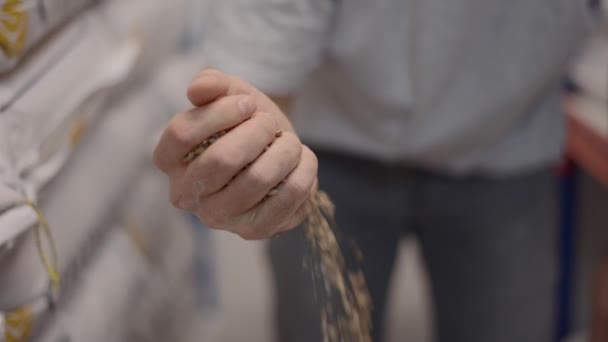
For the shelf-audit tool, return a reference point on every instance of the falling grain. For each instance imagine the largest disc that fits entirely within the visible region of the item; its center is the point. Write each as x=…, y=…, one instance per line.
x=346, y=313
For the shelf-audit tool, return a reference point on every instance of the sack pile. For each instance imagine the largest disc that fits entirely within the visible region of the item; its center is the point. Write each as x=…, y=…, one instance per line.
x=90, y=249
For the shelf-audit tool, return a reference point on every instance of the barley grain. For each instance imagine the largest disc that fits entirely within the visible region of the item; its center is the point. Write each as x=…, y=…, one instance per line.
x=346, y=315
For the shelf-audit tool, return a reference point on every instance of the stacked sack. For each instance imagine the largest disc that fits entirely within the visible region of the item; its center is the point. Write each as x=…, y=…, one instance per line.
x=90, y=250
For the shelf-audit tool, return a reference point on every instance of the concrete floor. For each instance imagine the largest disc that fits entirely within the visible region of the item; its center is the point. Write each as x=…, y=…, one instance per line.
x=246, y=294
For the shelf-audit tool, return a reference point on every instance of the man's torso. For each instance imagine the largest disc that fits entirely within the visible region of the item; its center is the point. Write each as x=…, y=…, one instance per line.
x=453, y=85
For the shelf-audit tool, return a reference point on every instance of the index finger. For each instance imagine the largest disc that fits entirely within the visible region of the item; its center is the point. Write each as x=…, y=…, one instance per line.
x=186, y=130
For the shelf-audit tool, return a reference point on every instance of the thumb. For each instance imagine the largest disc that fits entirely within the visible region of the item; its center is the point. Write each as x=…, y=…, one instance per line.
x=211, y=84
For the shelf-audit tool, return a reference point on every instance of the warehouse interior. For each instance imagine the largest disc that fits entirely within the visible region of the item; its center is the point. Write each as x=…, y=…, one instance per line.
x=91, y=248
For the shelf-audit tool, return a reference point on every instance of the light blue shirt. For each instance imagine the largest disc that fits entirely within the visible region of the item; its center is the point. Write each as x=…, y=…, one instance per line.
x=454, y=85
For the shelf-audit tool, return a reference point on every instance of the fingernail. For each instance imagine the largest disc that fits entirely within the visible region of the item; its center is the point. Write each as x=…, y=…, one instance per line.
x=246, y=105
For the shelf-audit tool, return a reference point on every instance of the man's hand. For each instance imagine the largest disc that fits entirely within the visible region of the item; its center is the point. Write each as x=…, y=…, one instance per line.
x=227, y=185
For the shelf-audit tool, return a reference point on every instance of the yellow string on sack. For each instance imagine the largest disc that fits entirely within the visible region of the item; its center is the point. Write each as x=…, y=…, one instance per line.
x=79, y=129
x=18, y=325
x=13, y=35
x=51, y=266
x=137, y=237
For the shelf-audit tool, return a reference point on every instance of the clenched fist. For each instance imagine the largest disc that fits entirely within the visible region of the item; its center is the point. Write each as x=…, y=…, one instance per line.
x=255, y=178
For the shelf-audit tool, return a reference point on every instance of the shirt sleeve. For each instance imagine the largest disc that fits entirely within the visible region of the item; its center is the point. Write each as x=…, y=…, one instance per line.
x=274, y=44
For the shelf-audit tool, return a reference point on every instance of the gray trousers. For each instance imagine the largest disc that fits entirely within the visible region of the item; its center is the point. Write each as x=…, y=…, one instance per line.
x=489, y=246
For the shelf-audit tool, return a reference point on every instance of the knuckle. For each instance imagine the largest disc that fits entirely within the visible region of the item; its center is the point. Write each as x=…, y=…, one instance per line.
x=312, y=157
x=266, y=123
x=311, y=165
x=180, y=133
x=222, y=161
x=184, y=201
x=314, y=164
x=289, y=141
x=297, y=151
x=259, y=179
x=291, y=137
x=240, y=107
x=291, y=150
x=208, y=219
x=159, y=160
x=212, y=160
x=297, y=188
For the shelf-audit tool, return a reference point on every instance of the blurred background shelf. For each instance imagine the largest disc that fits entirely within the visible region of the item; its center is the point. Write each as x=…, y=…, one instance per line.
x=587, y=146
x=588, y=134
